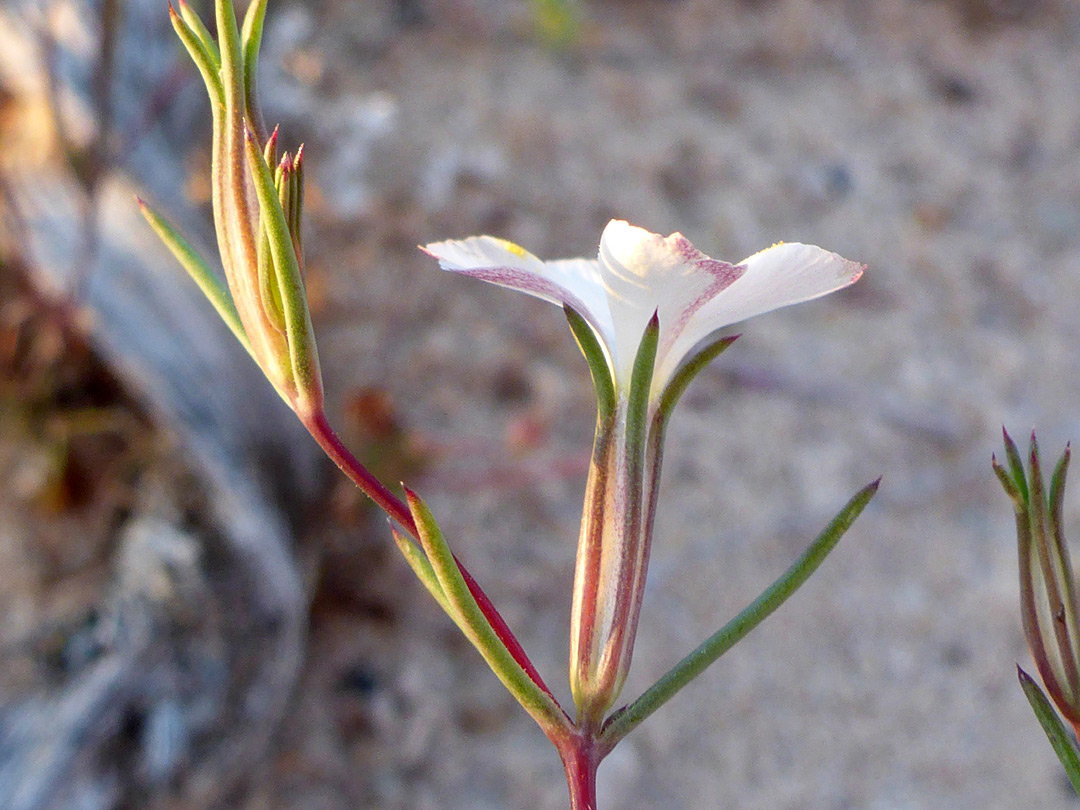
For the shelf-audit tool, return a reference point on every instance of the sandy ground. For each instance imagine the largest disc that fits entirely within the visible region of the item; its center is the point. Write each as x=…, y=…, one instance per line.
x=936, y=142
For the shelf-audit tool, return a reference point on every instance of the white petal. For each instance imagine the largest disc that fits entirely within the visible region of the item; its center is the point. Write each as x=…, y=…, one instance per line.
x=784, y=274
x=643, y=273
x=574, y=282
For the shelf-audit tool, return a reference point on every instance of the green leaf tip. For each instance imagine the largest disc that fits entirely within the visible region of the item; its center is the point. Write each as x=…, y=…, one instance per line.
x=418, y=561
x=1056, y=733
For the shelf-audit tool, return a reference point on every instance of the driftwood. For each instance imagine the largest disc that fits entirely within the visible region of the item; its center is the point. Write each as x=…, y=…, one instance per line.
x=202, y=636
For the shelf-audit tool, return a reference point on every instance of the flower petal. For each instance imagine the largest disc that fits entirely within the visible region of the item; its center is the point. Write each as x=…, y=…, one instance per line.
x=785, y=274
x=572, y=282
x=644, y=273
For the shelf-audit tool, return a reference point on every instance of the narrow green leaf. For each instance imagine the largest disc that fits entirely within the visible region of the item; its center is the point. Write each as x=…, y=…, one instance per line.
x=250, y=42
x=690, y=369
x=198, y=269
x=301, y=336
x=1053, y=728
x=599, y=364
x=208, y=64
x=232, y=65
x=200, y=30
x=1056, y=497
x=414, y=556
x=629, y=717
x=465, y=612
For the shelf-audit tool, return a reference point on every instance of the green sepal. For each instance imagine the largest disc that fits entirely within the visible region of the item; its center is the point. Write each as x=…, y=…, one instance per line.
x=467, y=615
x=294, y=209
x=208, y=62
x=250, y=42
x=637, y=411
x=281, y=184
x=629, y=717
x=301, y=336
x=269, y=290
x=599, y=365
x=1055, y=730
x=689, y=369
x=270, y=148
x=199, y=270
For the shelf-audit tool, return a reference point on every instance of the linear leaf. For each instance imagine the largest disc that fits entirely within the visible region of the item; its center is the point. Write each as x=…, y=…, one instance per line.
x=199, y=270
x=629, y=717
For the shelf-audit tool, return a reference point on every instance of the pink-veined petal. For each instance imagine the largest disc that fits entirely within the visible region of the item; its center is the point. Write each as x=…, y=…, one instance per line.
x=785, y=274
x=573, y=282
x=643, y=273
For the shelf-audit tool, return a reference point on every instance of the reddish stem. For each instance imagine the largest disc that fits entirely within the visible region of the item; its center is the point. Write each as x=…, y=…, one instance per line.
x=319, y=427
x=581, y=759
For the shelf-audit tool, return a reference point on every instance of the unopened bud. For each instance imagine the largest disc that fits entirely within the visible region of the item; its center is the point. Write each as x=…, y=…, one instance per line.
x=1048, y=599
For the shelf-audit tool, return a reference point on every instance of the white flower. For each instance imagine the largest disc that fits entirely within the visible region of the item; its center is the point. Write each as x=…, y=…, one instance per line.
x=638, y=273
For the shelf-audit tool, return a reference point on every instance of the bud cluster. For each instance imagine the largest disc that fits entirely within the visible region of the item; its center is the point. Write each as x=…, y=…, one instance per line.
x=258, y=201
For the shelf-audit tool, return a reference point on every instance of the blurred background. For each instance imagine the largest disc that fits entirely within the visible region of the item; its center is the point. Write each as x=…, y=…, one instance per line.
x=195, y=612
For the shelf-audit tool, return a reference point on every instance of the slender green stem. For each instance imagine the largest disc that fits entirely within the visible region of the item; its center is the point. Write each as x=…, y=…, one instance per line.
x=629, y=717
x=1053, y=727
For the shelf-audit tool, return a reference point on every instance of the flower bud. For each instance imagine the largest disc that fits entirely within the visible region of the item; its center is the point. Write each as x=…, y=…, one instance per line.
x=257, y=206
x=1048, y=600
